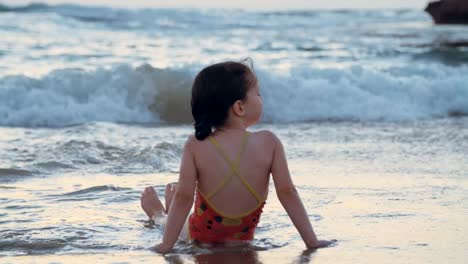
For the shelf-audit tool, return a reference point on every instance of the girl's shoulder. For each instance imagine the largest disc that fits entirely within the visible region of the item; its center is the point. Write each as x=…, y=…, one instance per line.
x=265, y=140
x=262, y=137
x=265, y=135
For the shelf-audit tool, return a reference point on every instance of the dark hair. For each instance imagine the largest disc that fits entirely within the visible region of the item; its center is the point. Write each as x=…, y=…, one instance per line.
x=215, y=89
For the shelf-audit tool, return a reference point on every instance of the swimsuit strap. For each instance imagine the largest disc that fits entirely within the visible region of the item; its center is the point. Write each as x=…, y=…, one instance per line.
x=236, y=164
x=234, y=167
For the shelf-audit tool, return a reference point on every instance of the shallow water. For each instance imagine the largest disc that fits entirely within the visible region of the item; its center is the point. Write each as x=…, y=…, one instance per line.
x=389, y=192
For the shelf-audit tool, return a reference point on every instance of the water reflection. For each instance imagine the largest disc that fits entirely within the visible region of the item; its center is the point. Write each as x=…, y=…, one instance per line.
x=306, y=256
x=225, y=257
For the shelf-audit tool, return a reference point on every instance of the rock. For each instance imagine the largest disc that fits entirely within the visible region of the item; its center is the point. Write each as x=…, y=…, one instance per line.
x=449, y=11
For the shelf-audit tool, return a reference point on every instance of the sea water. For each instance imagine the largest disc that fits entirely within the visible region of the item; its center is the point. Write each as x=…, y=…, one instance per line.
x=371, y=106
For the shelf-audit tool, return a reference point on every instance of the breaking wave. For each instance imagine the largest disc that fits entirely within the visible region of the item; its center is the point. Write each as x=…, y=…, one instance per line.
x=162, y=96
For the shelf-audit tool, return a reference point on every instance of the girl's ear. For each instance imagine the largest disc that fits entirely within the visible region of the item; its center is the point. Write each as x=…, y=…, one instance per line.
x=238, y=108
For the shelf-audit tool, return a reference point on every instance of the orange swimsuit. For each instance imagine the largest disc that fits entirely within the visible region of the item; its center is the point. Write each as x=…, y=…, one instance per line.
x=210, y=225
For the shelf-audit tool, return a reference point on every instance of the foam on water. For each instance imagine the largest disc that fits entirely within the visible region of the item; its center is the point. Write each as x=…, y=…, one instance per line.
x=150, y=95
x=72, y=96
x=359, y=93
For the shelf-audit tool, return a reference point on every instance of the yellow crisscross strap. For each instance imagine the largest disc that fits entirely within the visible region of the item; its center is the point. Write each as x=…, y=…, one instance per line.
x=234, y=167
x=236, y=164
x=229, y=174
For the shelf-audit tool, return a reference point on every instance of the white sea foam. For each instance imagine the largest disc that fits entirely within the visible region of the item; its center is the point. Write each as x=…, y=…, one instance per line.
x=71, y=96
x=357, y=93
x=150, y=95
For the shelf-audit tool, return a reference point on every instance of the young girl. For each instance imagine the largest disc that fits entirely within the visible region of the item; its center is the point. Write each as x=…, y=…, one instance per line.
x=225, y=168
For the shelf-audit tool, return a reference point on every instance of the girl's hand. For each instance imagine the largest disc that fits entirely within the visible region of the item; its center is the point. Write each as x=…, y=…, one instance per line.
x=162, y=248
x=322, y=244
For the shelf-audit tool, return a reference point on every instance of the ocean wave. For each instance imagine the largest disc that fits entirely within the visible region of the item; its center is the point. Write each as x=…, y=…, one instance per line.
x=384, y=215
x=94, y=189
x=358, y=93
x=73, y=154
x=36, y=244
x=53, y=165
x=51, y=245
x=71, y=96
x=11, y=174
x=119, y=18
x=116, y=18
x=162, y=96
x=33, y=7
x=186, y=18
x=60, y=156
x=14, y=172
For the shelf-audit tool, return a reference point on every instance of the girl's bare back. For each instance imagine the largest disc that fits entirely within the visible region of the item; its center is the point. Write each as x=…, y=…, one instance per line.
x=254, y=165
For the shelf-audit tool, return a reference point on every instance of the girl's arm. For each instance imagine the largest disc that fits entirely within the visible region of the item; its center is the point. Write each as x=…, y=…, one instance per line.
x=182, y=200
x=289, y=198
